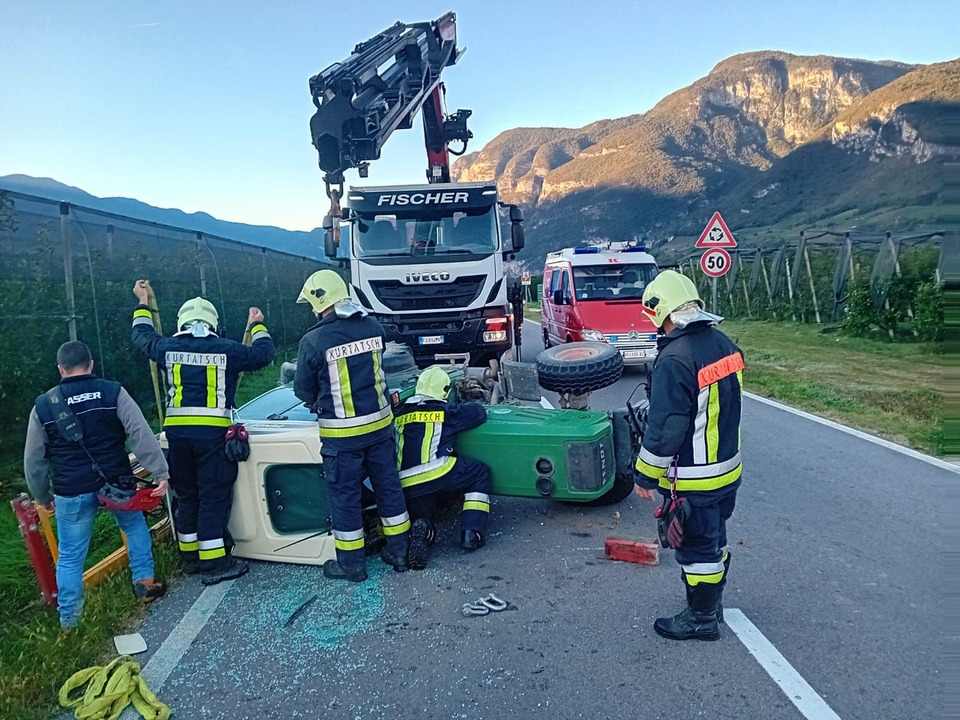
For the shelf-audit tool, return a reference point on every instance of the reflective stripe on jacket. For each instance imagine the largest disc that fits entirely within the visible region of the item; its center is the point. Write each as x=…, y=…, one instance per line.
x=695, y=399
x=340, y=376
x=425, y=434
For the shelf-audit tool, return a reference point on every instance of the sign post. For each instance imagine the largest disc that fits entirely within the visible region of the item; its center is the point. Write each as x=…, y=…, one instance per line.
x=715, y=261
x=525, y=281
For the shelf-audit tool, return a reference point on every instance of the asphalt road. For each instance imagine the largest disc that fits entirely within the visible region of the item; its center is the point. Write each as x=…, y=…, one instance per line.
x=838, y=559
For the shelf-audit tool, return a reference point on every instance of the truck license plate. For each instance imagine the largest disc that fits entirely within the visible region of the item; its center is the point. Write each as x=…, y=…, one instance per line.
x=634, y=354
x=431, y=339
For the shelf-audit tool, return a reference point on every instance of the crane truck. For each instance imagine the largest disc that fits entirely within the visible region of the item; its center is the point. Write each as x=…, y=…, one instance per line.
x=426, y=260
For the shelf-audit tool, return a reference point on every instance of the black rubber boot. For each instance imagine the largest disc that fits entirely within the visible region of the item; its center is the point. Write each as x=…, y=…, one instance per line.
x=333, y=571
x=228, y=571
x=398, y=562
x=472, y=540
x=421, y=538
x=698, y=621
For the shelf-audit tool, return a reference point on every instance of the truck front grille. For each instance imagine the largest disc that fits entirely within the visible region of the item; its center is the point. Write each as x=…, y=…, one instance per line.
x=428, y=296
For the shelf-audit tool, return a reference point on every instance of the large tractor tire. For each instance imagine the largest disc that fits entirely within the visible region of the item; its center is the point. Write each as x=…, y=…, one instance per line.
x=623, y=485
x=579, y=367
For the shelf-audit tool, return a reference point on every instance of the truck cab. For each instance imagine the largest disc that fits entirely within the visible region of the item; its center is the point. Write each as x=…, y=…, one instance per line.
x=594, y=293
x=427, y=262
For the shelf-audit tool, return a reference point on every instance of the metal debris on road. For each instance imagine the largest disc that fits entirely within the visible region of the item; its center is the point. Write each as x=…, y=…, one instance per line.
x=299, y=611
x=484, y=606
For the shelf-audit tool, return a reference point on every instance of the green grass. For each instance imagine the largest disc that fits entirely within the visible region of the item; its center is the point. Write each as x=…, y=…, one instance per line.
x=890, y=389
x=35, y=658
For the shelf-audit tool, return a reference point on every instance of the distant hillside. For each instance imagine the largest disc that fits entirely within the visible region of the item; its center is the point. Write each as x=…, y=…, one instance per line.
x=309, y=244
x=768, y=138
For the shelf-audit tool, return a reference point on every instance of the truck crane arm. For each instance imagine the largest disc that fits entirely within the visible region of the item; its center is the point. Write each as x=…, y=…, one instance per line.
x=380, y=88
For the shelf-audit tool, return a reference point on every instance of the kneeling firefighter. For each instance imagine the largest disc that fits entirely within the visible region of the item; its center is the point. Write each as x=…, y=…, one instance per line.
x=202, y=370
x=340, y=377
x=426, y=425
x=690, y=450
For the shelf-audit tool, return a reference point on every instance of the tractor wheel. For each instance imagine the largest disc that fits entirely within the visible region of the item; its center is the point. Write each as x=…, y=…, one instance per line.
x=579, y=367
x=622, y=487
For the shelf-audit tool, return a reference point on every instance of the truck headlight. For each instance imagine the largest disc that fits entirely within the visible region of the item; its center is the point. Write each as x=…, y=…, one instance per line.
x=594, y=335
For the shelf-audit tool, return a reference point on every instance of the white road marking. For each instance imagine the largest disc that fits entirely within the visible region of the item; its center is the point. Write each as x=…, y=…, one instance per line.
x=804, y=697
x=909, y=452
x=165, y=659
x=929, y=459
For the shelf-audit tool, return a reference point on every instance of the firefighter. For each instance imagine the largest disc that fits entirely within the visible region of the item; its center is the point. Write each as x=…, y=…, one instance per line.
x=694, y=425
x=202, y=370
x=426, y=426
x=340, y=377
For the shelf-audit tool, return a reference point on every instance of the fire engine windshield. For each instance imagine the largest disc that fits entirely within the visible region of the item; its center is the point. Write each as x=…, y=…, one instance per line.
x=433, y=235
x=612, y=282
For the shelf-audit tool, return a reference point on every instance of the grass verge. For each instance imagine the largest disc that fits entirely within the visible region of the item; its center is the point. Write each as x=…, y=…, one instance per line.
x=890, y=389
x=35, y=658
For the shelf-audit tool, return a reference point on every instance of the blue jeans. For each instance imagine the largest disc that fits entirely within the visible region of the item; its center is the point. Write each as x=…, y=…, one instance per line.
x=75, y=517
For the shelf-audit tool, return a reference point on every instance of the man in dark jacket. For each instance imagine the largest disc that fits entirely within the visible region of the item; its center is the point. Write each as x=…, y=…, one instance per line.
x=691, y=447
x=202, y=371
x=109, y=418
x=340, y=376
x=426, y=427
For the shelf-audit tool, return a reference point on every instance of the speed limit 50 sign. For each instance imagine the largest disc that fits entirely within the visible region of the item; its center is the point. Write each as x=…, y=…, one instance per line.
x=715, y=262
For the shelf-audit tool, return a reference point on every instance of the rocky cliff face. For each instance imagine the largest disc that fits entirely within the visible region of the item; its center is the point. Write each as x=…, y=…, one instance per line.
x=750, y=110
x=769, y=138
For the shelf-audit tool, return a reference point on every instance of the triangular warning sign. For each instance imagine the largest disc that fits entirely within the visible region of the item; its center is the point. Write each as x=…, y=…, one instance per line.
x=716, y=234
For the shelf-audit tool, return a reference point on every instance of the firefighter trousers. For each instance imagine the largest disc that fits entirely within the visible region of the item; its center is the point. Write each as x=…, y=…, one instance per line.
x=469, y=478
x=704, y=553
x=344, y=473
x=203, y=479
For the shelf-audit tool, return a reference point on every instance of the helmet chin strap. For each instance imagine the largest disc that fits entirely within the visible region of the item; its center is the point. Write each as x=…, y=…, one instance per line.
x=197, y=329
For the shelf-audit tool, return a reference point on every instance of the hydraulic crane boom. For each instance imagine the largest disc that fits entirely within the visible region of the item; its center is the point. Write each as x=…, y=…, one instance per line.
x=379, y=89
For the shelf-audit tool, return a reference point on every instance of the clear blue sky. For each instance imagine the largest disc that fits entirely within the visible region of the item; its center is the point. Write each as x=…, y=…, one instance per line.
x=203, y=104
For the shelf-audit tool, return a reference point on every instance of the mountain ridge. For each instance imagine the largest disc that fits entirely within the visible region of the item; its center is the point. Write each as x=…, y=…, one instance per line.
x=298, y=242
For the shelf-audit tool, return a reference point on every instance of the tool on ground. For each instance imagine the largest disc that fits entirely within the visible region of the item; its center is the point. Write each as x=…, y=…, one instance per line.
x=130, y=644
x=672, y=514
x=484, y=606
x=102, y=693
x=299, y=611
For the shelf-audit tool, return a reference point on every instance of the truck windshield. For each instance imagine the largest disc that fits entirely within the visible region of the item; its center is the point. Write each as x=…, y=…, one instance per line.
x=393, y=235
x=612, y=282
